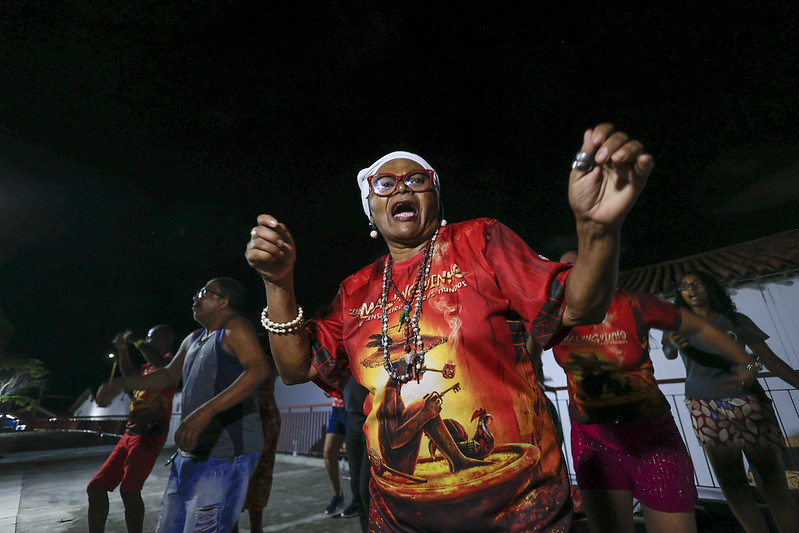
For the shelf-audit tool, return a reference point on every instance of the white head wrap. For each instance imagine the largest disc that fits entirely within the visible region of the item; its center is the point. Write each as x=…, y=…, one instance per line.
x=363, y=183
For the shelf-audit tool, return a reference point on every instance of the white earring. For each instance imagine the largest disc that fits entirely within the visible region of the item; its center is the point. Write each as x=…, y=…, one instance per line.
x=373, y=233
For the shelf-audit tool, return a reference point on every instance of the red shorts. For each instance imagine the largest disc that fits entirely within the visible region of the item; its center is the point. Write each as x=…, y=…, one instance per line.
x=648, y=459
x=129, y=463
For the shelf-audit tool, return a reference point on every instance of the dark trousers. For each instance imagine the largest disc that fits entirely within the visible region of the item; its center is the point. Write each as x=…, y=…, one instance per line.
x=358, y=457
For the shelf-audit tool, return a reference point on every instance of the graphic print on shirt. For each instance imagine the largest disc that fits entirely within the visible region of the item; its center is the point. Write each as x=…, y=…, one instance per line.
x=425, y=444
x=150, y=411
x=607, y=364
x=470, y=442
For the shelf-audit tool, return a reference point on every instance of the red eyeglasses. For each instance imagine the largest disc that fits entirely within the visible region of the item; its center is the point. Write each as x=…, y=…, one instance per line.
x=385, y=184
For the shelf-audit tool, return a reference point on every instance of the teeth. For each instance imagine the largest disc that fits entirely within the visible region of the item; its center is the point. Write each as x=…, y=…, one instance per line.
x=403, y=211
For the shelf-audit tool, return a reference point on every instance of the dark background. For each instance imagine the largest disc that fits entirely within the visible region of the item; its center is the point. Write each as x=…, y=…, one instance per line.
x=139, y=141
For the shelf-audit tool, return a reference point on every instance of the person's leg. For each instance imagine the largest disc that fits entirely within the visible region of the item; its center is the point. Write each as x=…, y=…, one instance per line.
x=257, y=521
x=173, y=509
x=663, y=476
x=208, y=496
x=106, y=480
x=98, y=508
x=608, y=511
x=605, y=486
x=332, y=448
x=660, y=522
x=234, y=481
x=727, y=463
x=365, y=477
x=143, y=452
x=769, y=472
x=173, y=506
x=134, y=511
x=355, y=450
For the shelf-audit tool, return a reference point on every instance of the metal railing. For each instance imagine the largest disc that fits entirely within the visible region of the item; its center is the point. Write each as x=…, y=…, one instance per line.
x=785, y=405
x=303, y=427
x=112, y=425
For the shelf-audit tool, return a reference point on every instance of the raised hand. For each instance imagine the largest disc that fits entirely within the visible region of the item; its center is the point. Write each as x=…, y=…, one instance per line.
x=271, y=250
x=129, y=336
x=680, y=341
x=119, y=341
x=604, y=193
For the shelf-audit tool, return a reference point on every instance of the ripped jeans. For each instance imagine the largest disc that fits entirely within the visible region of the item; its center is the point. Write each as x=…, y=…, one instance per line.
x=205, y=495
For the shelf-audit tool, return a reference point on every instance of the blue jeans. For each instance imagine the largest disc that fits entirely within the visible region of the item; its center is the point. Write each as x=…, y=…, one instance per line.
x=205, y=495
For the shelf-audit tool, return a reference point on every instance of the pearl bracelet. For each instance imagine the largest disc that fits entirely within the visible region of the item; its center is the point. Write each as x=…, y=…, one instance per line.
x=284, y=328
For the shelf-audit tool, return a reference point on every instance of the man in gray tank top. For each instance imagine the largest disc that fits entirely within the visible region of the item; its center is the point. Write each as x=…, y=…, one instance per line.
x=219, y=437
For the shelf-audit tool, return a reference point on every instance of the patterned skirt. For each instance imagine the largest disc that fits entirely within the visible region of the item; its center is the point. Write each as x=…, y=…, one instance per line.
x=747, y=422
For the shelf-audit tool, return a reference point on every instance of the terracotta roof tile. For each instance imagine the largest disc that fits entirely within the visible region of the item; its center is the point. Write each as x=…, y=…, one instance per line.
x=766, y=257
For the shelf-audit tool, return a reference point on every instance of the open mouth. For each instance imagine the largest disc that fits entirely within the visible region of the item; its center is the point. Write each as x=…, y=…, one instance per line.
x=404, y=211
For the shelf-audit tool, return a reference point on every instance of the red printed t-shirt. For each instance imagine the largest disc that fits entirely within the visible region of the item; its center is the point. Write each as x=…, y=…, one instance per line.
x=150, y=411
x=481, y=274
x=609, y=372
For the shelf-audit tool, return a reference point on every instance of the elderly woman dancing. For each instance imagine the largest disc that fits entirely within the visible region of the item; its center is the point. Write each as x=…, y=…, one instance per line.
x=456, y=426
x=740, y=414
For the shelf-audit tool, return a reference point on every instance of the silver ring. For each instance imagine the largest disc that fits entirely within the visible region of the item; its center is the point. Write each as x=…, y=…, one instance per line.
x=583, y=162
x=253, y=234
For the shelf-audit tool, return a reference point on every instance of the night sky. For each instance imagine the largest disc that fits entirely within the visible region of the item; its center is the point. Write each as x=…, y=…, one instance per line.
x=139, y=141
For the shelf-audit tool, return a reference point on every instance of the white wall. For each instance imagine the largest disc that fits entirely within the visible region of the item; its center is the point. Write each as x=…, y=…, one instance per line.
x=303, y=394
x=120, y=406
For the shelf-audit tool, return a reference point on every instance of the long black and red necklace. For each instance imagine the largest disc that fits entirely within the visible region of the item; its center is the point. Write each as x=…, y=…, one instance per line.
x=408, y=319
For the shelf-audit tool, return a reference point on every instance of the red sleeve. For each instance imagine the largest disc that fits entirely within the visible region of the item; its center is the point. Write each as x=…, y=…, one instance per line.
x=327, y=349
x=658, y=313
x=534, y=285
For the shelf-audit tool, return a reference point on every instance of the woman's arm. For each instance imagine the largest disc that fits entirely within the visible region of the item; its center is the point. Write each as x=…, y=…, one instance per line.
x=777, y=366
x=271, y=252
x=600, y=199
x=692, y=325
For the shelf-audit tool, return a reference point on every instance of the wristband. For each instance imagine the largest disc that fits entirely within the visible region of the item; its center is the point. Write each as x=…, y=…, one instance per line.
x=139, y=343
x=754, y=368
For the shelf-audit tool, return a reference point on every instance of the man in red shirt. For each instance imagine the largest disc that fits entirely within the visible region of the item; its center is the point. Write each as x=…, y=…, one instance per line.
x=133, y=458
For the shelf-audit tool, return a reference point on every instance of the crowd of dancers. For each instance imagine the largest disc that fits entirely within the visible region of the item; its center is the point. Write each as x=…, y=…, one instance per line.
x=453, y=424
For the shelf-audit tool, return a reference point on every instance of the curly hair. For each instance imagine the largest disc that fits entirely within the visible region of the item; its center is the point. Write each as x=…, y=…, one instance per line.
x=718, y=297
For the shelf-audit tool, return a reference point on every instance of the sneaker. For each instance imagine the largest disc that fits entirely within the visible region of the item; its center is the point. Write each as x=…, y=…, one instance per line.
x=352, y=510
x=334, y=504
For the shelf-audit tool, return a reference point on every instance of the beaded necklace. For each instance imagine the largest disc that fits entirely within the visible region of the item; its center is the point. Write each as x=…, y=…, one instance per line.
x=404, y=317
x=415, y=360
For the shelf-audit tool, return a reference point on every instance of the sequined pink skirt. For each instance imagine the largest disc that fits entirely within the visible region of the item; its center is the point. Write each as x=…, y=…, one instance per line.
x=747, y=422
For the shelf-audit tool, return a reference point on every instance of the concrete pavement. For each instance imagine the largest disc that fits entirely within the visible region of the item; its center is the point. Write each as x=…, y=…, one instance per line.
x=46, y=493
x=49, y=495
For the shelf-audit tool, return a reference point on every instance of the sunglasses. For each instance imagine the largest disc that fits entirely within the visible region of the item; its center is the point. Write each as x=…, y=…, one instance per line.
x=202, y=292
x=696, y=284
